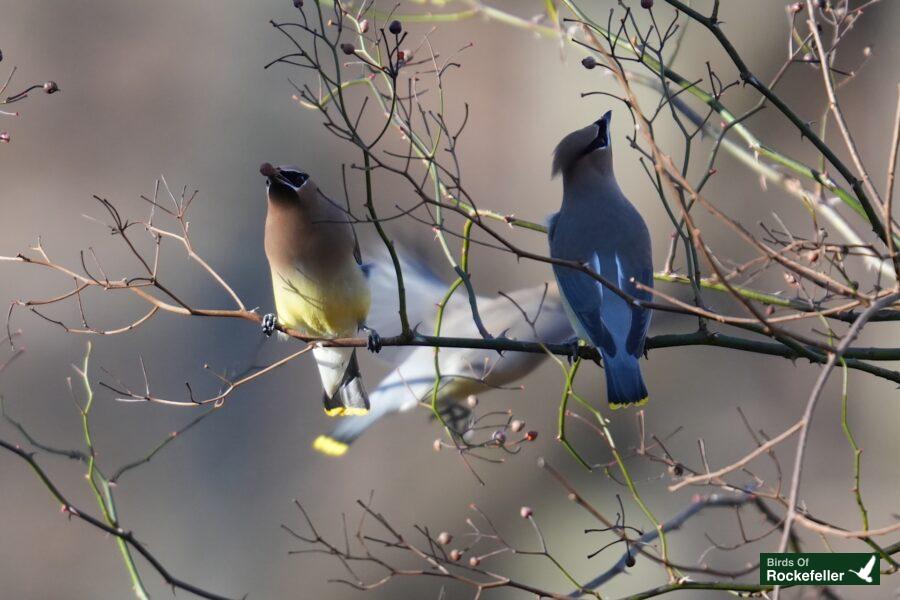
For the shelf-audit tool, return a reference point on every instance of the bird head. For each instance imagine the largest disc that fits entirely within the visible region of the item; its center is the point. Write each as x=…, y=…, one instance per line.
x=286, y=183
x=586, y=147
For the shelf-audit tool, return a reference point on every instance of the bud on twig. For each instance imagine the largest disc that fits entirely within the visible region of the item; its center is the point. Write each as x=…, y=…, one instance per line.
x=472, y=401
x=444, y=538
x=526, y=512
x=531, y=435
x=588, y=62
x=648, y=4
x=298, y=3
x=473, y=561
x=396, y=27
x=455, y=555
x=348, y=49
x=50, y=87
x=516, y=425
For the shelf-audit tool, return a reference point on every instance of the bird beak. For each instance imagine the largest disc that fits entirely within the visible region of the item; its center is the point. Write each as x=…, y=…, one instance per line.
x=270, y=172
x=273, y=175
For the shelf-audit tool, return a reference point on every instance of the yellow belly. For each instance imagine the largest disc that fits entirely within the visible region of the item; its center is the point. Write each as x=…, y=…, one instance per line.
x=332, y=308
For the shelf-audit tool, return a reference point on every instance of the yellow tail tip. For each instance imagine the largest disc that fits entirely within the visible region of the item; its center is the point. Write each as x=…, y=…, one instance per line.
x=618, y=405
x=345, y=411
x=330, y=446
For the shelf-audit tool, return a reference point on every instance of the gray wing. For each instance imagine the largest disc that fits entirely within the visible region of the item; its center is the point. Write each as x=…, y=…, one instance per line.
x=551, y=225
x=640, y=317
x=584, y=296
x=423, y=289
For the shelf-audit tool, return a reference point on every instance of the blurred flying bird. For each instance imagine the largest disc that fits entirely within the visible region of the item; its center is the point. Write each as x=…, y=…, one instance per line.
x=464, y=371
x=597, y=226
x=318, y=280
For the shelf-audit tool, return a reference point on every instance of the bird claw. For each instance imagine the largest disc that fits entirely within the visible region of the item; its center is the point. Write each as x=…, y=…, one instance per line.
x=373, y=343
x=573, y=344
x=269, y=321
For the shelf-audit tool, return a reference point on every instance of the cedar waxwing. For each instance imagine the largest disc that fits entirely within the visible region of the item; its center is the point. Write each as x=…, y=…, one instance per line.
x=598, y=226
x=464, y=371
x=319, y=282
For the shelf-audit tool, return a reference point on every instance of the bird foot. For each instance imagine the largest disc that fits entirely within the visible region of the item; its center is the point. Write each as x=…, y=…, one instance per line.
x=573, y=345
x=373, y=343
x=269, y=321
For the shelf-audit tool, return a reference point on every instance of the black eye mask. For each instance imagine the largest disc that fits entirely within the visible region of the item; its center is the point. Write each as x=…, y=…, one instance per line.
x=296, y=178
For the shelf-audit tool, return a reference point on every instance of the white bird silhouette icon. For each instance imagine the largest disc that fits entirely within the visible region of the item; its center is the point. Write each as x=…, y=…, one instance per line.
x=866, y=572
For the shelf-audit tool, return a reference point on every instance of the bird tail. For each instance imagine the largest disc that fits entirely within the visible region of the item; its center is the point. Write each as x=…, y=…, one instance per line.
x=344, y=394
x=624, y=384
x=394, y=394
x=338, y=441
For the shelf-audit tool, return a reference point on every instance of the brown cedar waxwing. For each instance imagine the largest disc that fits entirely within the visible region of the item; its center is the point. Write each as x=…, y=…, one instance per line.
x=319, y=283
x=598, y=226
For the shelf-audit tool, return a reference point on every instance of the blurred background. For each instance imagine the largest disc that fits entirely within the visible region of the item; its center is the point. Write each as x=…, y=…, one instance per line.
x=178, y=89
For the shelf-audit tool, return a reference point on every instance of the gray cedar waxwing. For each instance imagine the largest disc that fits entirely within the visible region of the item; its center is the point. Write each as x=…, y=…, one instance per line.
x=598, y=226
x=464, y=371
x=319, y=283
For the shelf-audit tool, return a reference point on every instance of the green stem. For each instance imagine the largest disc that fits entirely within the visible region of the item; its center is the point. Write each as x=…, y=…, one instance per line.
x=561, y=419
x=102, y=491
x=389, y=244
x=857, y=453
